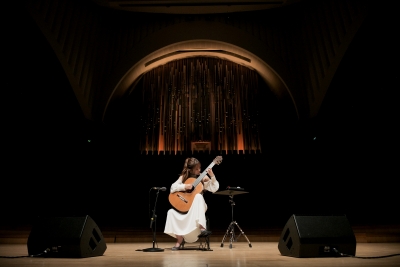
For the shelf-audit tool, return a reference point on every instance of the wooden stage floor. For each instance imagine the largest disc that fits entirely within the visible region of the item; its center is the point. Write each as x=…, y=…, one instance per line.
x=241, y=254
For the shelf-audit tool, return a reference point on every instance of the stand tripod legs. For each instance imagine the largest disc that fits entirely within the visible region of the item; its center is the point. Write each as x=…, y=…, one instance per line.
x=231, y=231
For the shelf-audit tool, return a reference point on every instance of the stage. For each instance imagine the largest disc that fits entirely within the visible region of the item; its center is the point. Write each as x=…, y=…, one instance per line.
x=260, y=254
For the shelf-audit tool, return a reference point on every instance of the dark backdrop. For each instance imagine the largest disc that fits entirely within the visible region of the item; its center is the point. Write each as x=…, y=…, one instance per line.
x=341, y=162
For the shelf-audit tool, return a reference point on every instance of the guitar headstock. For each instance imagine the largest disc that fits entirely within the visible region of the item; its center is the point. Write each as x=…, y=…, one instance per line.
x=218, y=160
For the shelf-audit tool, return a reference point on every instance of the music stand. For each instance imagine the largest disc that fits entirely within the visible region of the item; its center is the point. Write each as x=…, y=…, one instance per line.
x=231, y=229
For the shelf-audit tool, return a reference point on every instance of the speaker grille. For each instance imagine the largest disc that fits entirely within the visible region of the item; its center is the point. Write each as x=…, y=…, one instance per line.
x=66, y=237
x=316, y=236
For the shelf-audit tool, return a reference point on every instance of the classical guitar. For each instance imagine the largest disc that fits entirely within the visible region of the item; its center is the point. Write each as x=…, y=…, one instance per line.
x=182, y=200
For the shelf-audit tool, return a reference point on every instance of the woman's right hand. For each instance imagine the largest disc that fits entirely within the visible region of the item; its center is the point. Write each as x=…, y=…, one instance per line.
x=188, y=186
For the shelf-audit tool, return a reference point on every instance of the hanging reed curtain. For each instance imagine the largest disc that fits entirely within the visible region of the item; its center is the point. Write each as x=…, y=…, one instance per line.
x=199, y=99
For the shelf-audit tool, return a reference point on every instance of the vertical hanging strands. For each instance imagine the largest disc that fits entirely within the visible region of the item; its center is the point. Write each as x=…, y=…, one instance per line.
x=199, y=99
x=160, y=111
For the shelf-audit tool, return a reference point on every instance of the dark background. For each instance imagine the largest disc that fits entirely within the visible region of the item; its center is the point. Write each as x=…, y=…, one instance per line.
x=343, y=161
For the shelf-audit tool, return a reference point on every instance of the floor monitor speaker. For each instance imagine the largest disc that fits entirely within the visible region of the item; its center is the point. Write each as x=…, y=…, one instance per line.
x=66, y=237
x=306, y=236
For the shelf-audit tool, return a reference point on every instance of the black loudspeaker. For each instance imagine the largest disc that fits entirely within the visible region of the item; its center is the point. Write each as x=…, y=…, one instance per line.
x=306, y=236
x=66, y=237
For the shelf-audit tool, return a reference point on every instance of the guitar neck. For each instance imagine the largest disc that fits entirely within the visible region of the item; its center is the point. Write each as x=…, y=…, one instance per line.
x=204, y=173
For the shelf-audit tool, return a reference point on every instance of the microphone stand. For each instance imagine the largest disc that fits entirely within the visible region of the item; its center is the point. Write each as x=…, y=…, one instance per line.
x=153, y=219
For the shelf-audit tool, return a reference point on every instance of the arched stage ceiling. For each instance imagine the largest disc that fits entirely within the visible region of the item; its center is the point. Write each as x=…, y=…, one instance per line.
x=278, y=39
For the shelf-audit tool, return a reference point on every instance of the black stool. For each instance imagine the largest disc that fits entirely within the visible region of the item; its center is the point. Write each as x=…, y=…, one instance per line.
x=204, y=240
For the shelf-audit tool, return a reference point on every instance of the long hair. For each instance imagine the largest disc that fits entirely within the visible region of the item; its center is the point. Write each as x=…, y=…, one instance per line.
x=190, y=163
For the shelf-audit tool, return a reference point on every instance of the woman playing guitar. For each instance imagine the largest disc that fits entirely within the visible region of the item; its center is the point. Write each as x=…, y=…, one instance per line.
x=187, y=221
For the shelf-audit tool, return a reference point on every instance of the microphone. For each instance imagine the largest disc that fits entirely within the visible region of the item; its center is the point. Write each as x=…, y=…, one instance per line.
x=159, y=188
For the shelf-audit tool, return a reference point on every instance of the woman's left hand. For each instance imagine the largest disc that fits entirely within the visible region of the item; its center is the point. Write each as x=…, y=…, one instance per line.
x=210, y=174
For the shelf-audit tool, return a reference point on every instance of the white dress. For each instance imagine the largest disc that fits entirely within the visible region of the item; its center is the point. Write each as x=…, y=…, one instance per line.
x=188, y=224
